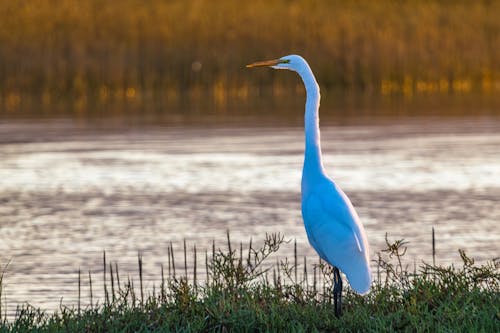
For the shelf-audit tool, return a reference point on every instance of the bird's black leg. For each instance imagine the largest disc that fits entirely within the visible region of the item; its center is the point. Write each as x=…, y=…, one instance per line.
x=337, y=291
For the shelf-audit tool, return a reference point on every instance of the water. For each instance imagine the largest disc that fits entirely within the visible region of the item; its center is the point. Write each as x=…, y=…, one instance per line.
x=68, y=192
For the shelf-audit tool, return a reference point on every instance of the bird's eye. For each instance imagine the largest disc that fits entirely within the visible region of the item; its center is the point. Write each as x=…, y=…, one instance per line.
x=285, y=61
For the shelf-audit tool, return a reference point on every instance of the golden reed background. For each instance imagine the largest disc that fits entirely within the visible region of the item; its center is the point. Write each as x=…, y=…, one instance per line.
x=136, y=49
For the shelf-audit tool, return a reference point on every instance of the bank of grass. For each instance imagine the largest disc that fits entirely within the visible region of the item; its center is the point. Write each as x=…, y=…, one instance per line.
x=244, y=294
x=142, y=50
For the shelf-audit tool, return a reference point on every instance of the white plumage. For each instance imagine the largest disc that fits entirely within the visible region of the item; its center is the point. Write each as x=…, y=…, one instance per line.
x=332, y=225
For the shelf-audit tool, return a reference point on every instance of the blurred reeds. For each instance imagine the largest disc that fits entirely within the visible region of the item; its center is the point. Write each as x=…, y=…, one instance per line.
x=127, y=51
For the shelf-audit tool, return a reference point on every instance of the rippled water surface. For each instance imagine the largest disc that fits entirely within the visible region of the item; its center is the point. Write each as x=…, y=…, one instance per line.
x=67, y=193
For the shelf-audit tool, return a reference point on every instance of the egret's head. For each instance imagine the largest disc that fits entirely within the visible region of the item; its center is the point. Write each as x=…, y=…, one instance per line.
x=292, y=62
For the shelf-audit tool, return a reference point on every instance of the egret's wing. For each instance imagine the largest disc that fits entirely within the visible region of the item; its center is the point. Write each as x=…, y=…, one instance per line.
x=332, y=226
x=338, y=204
x=334, y=230
x=358, y=243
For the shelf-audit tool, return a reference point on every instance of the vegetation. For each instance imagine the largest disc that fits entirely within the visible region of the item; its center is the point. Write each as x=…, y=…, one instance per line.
x=128, y=51
x=243, y=293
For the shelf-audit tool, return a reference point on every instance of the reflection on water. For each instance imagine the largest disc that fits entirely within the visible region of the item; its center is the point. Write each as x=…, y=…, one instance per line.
x=68, y=193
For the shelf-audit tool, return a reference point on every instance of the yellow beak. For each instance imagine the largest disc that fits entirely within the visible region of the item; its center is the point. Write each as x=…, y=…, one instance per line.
x=267, y=63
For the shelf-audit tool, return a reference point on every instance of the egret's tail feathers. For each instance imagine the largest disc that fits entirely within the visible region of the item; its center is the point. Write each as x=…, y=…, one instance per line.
x=360, y=280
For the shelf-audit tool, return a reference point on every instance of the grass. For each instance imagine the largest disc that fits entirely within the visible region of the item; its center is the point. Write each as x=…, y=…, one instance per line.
x=243, y=292
x=131, y=51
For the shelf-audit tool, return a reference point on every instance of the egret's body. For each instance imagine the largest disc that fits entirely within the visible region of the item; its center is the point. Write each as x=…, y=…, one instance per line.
x=332, y=225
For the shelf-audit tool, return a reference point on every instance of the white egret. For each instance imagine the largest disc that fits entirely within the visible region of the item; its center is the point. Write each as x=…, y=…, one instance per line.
x=332, y=225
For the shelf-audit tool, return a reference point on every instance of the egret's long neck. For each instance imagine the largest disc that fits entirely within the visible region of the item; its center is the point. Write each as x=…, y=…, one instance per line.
x=313, y=166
